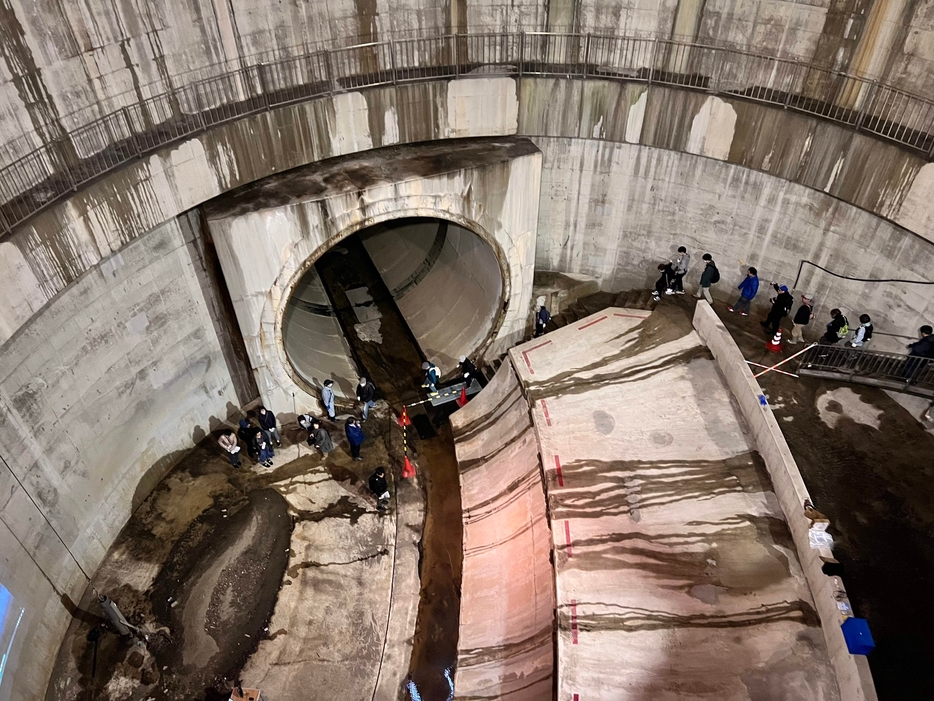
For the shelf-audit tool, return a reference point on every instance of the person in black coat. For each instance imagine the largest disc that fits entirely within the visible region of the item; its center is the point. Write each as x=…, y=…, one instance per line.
x=366, y=394
x=267, y=422
x=470, y=372
x=247, y=433
x=781, y=305
x=920, y=349
x=380, y=488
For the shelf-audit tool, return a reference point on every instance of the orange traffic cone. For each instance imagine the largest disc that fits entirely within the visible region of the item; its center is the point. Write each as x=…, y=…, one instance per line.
x=408, y=469
x=462, y=400
x=404, y=419
x=775, y=345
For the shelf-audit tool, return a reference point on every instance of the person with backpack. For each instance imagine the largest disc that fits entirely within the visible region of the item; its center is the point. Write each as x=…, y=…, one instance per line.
x=680, y=264
x=747, y=290
x=665, y=281
x=863, y=334
x=432, y=375
x=781, y=305
x=838, y=328
x=710, y=276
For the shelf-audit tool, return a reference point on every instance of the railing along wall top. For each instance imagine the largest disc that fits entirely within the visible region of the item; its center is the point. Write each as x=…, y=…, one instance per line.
x=858, y=364
x=38, y=178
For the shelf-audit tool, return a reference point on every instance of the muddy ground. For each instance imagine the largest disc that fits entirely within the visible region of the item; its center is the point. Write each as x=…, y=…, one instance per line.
x=869, y=466
x=200, y=566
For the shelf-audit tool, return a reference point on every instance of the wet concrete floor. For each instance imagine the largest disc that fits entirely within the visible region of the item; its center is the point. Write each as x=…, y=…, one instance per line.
x=393, y=363
x=869, y=466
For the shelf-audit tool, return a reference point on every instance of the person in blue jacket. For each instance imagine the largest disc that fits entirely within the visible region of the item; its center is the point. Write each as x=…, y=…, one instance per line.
x=355, y=437
x=432, y=375
x=747, y=290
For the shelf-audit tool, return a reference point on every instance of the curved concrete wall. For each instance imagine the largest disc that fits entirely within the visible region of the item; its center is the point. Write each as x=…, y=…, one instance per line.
x=505, y=647
x=45, y=256
x=269, y=234
x=767, y=176
x=99, y=397
x=623, y=209
x=452, y=306
x=313, y=339
x=61, y=66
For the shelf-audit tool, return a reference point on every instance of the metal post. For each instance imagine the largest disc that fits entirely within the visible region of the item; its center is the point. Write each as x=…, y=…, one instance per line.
x=864, y=103
x=261, y=79
x=584, y=70
x=521, y=51
x=330, y=69
x=392, y=59
x=455, y=54
x=654, y=58
x=131, y=131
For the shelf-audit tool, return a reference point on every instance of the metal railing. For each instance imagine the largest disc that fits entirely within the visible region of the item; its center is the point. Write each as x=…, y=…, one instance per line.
x=905, y=373
x=66, y=161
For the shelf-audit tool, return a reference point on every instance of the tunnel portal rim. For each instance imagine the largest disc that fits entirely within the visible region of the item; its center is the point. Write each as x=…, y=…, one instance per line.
x=357, y=227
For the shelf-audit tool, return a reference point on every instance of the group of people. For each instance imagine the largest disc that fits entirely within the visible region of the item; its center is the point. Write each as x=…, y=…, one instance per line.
x=671, y=275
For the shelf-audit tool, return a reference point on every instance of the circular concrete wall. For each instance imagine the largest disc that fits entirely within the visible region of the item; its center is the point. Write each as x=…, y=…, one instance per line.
x=445, y=280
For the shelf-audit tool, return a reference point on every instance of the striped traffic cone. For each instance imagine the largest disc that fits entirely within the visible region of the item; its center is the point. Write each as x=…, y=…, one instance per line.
x=775, y=345
x=408, y=469
x=404, y=419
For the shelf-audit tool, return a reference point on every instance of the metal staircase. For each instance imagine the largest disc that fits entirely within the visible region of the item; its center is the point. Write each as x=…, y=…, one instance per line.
x=902, y=373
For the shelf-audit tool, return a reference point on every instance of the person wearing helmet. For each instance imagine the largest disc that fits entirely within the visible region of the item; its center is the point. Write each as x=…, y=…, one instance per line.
x=470, y=372
x=432, y=375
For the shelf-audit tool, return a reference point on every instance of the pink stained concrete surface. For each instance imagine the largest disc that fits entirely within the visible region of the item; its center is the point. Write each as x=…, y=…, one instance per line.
x=676, y=575
x=506, y=644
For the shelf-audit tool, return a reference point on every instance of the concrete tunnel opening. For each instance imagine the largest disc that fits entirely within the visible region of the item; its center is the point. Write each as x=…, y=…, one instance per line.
x=445, y=280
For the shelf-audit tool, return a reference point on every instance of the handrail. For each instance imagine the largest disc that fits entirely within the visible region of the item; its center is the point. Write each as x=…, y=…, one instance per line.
x=804, y=262
x=905, y=373
x=58, y=167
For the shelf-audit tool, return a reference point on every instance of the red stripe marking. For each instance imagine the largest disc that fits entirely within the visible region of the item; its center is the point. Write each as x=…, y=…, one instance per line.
x=567, y=537
x=545, y=409
x=525, y=354
x=574, y=623
x=558, y=470
x=631, y=316
x=591, y=323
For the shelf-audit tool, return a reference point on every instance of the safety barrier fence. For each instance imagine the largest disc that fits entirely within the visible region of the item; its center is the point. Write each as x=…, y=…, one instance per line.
x=909, y=374
x=63, y=162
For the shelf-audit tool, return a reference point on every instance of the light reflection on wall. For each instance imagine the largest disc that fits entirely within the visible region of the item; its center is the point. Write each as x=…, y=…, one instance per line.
x=10, y=617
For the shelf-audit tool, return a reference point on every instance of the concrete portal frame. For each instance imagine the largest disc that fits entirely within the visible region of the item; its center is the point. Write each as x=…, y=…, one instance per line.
x=269, y=234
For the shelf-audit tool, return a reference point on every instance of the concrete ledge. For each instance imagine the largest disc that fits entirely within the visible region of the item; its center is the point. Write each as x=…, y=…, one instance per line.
x=852, y=671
